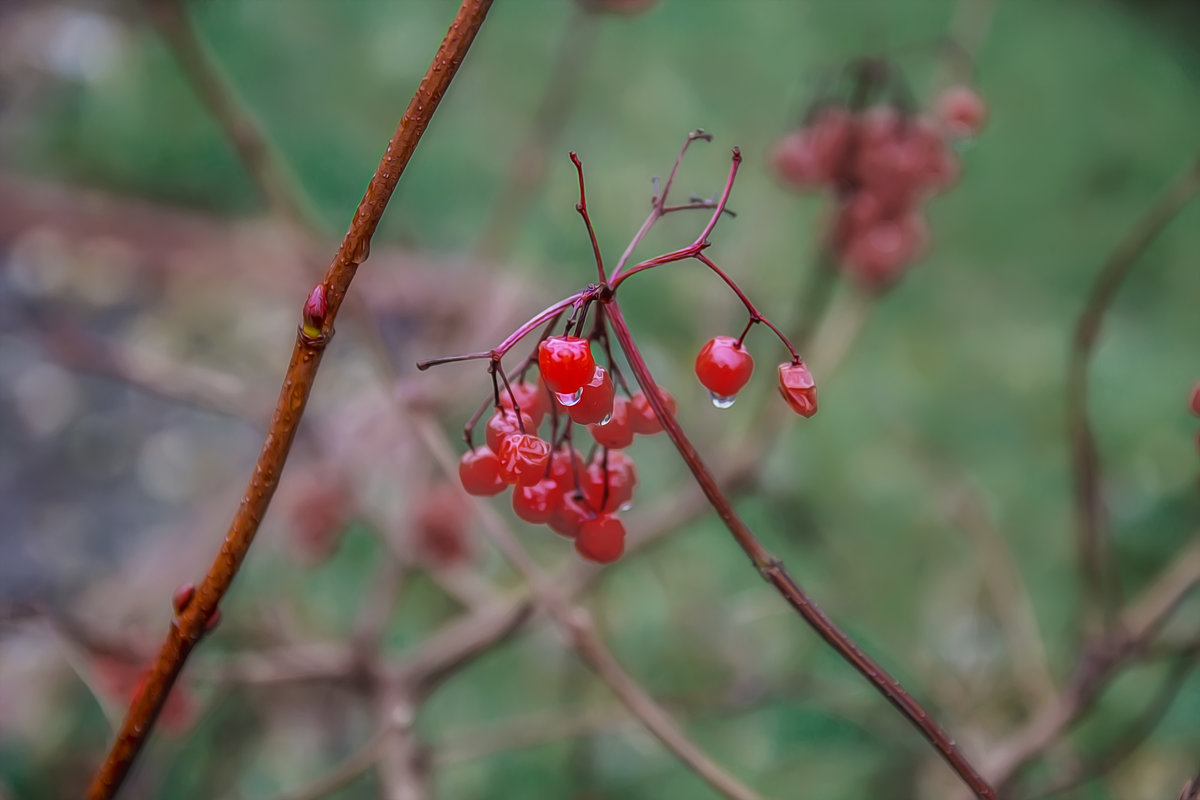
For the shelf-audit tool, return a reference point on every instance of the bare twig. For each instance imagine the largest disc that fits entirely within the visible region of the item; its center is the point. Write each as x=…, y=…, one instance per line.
x=1091, y=538
x=345, y=773
x=189, y=626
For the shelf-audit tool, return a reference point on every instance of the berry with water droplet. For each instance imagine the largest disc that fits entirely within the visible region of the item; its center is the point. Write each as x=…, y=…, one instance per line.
x=523, y=458
x=617, y=432
x=723, y=367
x=595, y=400
x=566, y=363
x=601, y=539
x=798, y=388
x=479, y=471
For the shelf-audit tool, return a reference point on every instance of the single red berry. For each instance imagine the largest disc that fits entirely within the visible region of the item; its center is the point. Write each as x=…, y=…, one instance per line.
x=606, y=490
x=795, y=161
x=569, y=516
x=479, y=471
x=962, y=111
x=504, y=423
x=618, y=431
x=596, y=399
x=601, y=539
x=641, y=415
x=879, y=255
x=1196, y=400
x=798, y=388
x=566, y=363
x=441, y=534
x=537, y=503
x=523, y=458
x=723, y=367
x=531, y=397
x=565, y=464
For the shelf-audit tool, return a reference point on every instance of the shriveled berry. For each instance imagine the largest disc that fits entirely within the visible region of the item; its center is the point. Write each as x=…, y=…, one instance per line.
x=570, y=514
x=641, y=415
x=724, y=366
x=566, y=363
x=504, y=423
x=595, y=401
x=479, y=471
x=798, y=388
x=601, y=539
x=531, y=397
x=962, y=111
x=523, y=458
x=537, y=503
x=618, y=431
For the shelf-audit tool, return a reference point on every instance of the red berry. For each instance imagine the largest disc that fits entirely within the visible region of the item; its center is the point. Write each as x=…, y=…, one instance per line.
x=441, y=533
x=641, y=415
x=596, y=400
x=531, y=398
x=962, y=111
x=620, y=478
x=566, y=363
x=537, y=503
x=795, y=161
x=879, y=254
x=565, y=464
x=618, y=431
x=601, y=539
x=504, y=423
x=798, y=388
x=523, y=458
x=569, y=516
x=724, y=366
x=479, y=471
x=1196, y=400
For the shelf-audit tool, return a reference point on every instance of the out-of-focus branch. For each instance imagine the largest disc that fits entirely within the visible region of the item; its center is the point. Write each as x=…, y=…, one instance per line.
x=244, y=132
x=1091, y=537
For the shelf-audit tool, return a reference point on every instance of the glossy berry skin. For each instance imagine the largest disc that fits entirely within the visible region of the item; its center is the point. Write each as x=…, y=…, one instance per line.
x=479, y=471
x=504, y=423
x=531, y=397
x=569, y=516
x=798, y=388
x=962, y=111
x=641, y=415
x=565, y=464
x=523, y=458
x=596, y=401
x=620, y=477
x=601, y=539
x=618, y=431
x=566, y=363
x=537, y=503
x=724, y=366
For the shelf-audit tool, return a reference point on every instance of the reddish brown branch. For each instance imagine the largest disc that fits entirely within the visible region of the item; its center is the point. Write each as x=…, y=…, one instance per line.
x=188, y=627
x=773, y=571
x=1091, y=538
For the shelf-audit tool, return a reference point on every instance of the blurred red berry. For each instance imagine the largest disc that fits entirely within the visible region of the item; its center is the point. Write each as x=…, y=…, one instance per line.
x=566, y=363
x=724, y=366
x=962, y=111
x=479, y=471
x=601, y=539
x=1196, y=400
x=618, y=431
x=798, y=388
x=441, y=529
x=795, y=161
x=523, y=458
x=642, y=416
x=595, y=401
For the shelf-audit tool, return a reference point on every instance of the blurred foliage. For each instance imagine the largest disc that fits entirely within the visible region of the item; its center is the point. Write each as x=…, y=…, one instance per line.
x=1093, y=109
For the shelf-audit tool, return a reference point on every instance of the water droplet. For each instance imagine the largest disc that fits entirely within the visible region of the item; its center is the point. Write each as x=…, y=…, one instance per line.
x=607, y=417
x=721, y=401
x=625, y=506
x=361, y=251
x=570, y=399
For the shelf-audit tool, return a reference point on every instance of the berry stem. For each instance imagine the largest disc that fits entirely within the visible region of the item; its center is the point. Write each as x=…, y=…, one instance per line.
x=189, y=626
x=582, y=208
x=755, y=315
x=774, y=572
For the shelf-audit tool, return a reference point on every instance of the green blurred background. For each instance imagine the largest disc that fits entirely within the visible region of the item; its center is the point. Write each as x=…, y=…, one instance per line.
x=955, y=383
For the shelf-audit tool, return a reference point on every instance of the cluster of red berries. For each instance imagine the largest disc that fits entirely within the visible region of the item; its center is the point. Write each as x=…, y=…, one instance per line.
x=724, y=366
x=552, y=483
x=880, y=163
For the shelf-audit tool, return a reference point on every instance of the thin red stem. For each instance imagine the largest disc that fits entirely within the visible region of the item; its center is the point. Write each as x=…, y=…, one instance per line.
x=755, y=315
x=582, y=208
x=773, y=571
